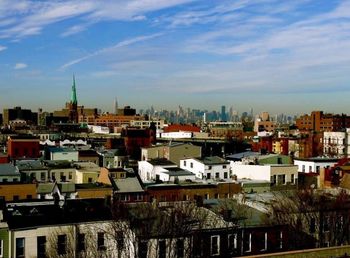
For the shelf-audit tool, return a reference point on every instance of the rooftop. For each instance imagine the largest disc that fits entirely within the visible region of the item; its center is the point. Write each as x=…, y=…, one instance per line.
x=214, y=160
x=161, y=162
x=129, y=184
x=8, y=170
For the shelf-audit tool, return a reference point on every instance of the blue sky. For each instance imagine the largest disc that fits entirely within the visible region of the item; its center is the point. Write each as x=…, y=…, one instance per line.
x=279, y=56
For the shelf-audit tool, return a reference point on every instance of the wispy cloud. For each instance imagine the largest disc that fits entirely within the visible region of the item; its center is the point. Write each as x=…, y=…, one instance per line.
x=120, y=44
x=19, y=66
x=25, y=18
x=2, y=48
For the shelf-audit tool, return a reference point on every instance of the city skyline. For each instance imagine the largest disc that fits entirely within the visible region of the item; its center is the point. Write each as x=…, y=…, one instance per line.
x=281, y=57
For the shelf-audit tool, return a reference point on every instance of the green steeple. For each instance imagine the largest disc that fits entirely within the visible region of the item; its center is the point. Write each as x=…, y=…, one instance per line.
x=74, y=93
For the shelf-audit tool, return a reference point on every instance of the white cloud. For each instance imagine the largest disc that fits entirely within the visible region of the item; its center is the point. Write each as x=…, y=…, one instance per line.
x=120, y=44
x=2, y=48
x=31, y=17
x=20, y=66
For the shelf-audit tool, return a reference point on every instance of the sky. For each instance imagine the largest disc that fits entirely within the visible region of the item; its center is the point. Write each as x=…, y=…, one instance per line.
x=290, y=56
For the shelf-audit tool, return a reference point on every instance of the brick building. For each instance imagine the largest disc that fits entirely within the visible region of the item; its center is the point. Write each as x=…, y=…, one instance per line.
x=320, y=122
x=23, y=147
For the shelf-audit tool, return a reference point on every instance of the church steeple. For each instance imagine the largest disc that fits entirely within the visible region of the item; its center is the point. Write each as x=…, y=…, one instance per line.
x=74, y=93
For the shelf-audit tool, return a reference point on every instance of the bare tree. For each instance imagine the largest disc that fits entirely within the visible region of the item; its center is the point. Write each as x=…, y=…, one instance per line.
x=315, y=218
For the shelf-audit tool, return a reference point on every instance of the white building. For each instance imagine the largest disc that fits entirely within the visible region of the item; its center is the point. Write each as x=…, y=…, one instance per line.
x=274, y=173
x=207, y=168
x=336, y=144
x=64, y=154
x=164, y=170
x=99, y=129
x=314, y=165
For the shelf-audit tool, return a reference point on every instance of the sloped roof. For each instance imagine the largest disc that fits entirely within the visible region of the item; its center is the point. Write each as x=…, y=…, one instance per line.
x=161, y=162
x=66, y=187
x=8, y=170
x=44, y=188
x=30, y=165
x=213, y=160
x=241, y=155
x=128, y=185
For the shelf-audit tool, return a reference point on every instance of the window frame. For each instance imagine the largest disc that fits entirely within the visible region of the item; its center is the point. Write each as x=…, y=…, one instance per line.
x=22, y=248
x=62, y=244
x=214, y=252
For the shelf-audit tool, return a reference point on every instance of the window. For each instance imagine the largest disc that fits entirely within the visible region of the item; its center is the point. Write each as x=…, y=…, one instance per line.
x=265, y=242
x=209, y=167
x=312, y=225
x=303, y=168
x=208, y=175
x=326, y=220
x=20, y=243
x=162, y=249
x=101, y=241
x=29, y=196
x=191, y=165
x=224, y=166
x=184, y=163
x=225, y=175
x=138, y=197
x=15, y=197
x=273, y=179
x=143, y=249
x=1, y=248
x=281, y=179
x=217, y=175
x=41, y=246
x=310, y=169
x=63, y=177
x=292, y=178
x=15, y=180
x=206, y=196
x=81, y=242
x=232, y=241
x=180, y=247
x=281, y=240
x=70, y=176
x=216, y=196
x=61, y=244
x=120, y=239
x=42, y=176
x=247, y=242
x=318, y=169
x=215, y=245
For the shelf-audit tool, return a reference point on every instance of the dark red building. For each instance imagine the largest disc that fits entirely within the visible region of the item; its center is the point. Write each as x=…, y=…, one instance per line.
x=3, y=158
x=23, y=147
x=136, y=138
x=179, y=127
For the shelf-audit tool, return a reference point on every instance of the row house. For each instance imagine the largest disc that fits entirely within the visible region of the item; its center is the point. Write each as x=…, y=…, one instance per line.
x=315, y=164
x=336, y=144
x=276, y=174
x=173, y=151
x=9, y=173
x=208, y=168
x=23, y=146
x=157, y=170
x=127, y=186
x=321, y=122
x=191, y=191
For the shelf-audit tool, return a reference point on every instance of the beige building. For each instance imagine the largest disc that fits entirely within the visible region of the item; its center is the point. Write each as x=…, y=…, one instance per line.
x=173, y=152
x=263, y=123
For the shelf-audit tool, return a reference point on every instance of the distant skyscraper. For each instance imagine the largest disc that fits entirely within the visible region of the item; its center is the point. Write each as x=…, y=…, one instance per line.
x=115, y=106
x=223, y=113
